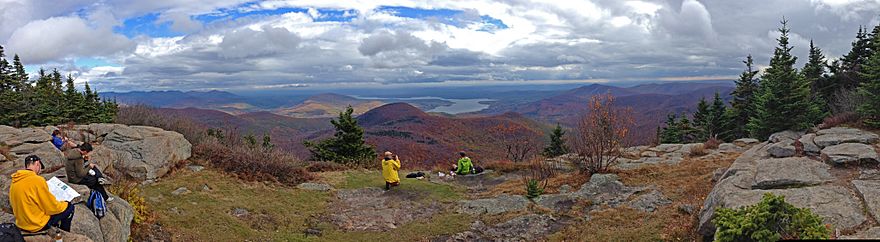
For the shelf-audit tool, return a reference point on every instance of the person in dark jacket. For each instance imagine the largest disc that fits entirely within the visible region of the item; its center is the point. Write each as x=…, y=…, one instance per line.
x=80, y=170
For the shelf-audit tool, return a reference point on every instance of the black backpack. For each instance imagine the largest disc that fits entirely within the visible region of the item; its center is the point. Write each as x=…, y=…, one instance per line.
x=10, y=233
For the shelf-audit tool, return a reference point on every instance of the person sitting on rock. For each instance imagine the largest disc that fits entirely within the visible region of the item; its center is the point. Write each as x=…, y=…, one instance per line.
x=34, y=207
x=390, y=167
x=80, y=170
x=464, y=165
x=59, y=141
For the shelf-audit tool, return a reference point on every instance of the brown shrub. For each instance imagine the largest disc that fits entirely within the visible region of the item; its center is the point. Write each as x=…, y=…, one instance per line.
x=504, y=166
x=320, y=166
x=839, y=119
x=712, y=143
x=149, y=116
x=600, y=134
x=253, y=165
x=699, y=150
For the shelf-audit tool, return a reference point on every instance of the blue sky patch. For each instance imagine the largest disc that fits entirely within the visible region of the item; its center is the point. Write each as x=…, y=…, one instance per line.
x=146, y=25
x=453, y=17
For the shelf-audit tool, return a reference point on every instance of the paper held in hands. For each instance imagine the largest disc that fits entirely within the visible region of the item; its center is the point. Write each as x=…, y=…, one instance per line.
x=62, y=191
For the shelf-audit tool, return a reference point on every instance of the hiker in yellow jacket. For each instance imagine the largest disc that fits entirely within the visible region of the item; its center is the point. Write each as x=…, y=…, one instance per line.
x=390, y=166
x=34, y=207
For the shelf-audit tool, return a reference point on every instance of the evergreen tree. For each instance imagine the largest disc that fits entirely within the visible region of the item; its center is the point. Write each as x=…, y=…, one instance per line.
x=717, y=119
x=670, y=133
x=347, y=145
x=557, y=145
x=267, y=142
x=742, y=104
x=783, y=101
x=687, y=130
x=869, y=89
x=814, y=73
x=702, y=119
x=846, y=70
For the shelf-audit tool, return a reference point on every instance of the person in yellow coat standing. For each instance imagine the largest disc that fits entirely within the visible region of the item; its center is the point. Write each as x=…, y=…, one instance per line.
x=390, y=166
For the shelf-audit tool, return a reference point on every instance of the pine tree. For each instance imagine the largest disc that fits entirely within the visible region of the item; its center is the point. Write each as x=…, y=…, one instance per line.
x=845, y=70
x=783, y=101
x=814, y=73
x=717, y=118
x=347, y=145
x=702, y=119
x=687, y=130
x=670, y=133
x=557, y=145
x=742, y=104
x=869, y=89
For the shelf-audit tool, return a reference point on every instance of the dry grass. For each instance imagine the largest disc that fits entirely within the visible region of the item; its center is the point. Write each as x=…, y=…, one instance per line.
x=839, y=119
x=699, y=150
x=686, y=183
x=712, y=143
x=518, y=186
x=506, y=166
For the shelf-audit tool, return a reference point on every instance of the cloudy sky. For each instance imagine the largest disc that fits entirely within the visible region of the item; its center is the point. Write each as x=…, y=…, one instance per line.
x=119, y=45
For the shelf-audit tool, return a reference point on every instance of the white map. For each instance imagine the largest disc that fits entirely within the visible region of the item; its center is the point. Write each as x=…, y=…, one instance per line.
x=62, y=191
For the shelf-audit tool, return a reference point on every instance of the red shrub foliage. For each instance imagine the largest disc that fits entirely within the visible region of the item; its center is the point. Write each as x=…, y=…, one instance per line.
x=712, y=143
x=601, y=133
x=321, y=166
x=838, y=119
x=252, y=165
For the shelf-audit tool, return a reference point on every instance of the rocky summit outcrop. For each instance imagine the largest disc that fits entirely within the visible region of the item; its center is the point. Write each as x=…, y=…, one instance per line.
x=114, y=226
x=824, y=171
x=141, y=152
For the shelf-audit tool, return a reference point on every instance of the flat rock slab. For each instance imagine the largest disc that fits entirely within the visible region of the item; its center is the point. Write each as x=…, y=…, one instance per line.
x=840, y=135
x=665, y=148
x=836, y=205
x=849, y=153
x=497, y=205
x=783, y=148
x=809, y=144
x=531, y=227
x=792, y=171
x=869, y=174
x=649, y=202
x=870, y=191
x=315, y=187
x=872, y=233
x=373, y=209
x=745, y=142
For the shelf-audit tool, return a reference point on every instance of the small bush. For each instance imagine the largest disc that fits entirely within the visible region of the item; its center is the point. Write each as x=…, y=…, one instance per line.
x=252, y=165
x=772, y=219
x=712, y=143
x=699, y=150
x=533, y=189
x=839, y=119
x=322, y=166
x=131, y=193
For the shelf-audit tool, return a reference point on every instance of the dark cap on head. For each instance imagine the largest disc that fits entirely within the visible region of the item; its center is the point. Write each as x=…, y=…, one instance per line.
x=462, y=153
x=86, y=147
x=31, y=159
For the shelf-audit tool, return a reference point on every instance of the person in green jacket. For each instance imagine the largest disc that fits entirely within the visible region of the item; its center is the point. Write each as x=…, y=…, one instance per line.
x=464, y=165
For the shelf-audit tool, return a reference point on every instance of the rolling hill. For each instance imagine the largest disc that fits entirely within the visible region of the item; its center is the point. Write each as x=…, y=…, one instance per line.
x=326, y=106
x=650, y=104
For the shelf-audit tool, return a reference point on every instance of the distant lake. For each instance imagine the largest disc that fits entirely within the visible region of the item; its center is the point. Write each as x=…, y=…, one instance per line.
x=457, y=106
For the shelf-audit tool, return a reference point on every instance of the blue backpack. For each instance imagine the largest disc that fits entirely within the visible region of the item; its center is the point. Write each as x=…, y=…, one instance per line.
x=96, y=204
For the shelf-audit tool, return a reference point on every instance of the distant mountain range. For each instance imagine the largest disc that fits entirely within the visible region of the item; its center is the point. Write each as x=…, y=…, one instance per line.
x=407, y=126
x=421, y=138
x=650, y=104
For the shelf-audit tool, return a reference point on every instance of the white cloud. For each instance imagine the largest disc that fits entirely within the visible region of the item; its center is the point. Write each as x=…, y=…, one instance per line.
x=64, y=37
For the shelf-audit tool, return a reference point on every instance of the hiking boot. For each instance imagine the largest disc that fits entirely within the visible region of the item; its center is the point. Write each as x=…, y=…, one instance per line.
x=109, y=199
x=104, y=181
